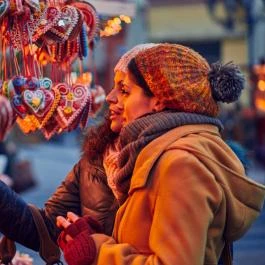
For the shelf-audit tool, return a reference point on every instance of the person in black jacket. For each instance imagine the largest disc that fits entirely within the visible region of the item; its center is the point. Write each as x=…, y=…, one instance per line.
x=84, y=191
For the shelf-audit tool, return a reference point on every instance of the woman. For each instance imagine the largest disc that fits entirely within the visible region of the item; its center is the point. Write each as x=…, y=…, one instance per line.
x=183, y=193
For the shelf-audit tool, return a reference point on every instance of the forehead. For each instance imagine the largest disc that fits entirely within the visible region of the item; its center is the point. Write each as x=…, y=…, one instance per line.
x=119, y=76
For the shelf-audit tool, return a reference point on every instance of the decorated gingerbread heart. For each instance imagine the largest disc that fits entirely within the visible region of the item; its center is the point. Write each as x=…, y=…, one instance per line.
x=67, y=22
x=40, y=25
x=73, y=100
x=33, y=100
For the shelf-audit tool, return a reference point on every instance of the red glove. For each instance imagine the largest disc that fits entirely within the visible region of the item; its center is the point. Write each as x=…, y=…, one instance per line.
x=82, y=249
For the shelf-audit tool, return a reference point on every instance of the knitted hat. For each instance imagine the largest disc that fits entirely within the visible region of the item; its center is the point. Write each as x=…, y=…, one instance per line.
x=183, y=80
x=122, y=64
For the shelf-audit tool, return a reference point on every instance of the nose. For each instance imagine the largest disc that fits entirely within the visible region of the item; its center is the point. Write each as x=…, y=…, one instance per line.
x=112, y=97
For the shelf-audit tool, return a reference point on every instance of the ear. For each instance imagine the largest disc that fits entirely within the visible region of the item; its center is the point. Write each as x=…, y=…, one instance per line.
x=157, y=105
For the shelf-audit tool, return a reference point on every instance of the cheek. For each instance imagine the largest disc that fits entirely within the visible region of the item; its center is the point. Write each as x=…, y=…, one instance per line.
x=135, y=109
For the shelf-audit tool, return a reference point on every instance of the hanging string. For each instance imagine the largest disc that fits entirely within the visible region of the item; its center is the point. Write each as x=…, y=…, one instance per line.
x=17, y=68
x=94, y=68
x=70, y=81
x=10, y=73
x=80, y=64
x=4, y=60
x=32, y=55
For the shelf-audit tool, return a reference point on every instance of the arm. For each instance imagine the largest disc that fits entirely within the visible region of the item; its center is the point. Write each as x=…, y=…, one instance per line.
x=188, y=196
x=65, y=198
x=16, y=221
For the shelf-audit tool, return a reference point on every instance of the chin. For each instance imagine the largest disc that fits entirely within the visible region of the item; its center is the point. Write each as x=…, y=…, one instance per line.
x=115, y=127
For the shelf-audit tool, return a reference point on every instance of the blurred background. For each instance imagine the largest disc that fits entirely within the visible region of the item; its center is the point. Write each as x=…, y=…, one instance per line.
x=221, y=30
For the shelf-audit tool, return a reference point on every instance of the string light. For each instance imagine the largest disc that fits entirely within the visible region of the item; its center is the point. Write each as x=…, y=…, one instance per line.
x=114, y=25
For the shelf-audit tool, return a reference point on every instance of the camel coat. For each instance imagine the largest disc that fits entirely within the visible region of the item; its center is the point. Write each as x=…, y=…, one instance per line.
x=188, y=195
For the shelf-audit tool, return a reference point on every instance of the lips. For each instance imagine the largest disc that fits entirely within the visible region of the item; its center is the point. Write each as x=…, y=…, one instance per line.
x=114, y=115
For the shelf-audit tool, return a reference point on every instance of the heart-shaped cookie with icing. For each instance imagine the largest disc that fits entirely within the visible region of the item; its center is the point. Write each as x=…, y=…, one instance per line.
x=72, y=102
x=67, y=22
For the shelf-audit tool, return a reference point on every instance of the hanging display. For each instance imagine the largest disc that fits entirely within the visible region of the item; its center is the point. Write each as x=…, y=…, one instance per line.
x=39, y=41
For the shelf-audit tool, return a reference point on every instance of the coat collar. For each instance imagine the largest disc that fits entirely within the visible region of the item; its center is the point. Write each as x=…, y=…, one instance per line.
x=149, y=155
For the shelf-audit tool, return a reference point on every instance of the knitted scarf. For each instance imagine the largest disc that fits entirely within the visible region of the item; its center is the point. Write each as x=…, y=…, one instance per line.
x=136, y=135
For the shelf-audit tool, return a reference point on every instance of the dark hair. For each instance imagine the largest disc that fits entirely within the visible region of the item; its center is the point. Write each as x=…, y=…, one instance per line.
x=96, y=139
x=132, y=66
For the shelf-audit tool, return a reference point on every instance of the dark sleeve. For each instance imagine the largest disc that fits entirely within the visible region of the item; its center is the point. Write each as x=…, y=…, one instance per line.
x=66, y=198
x=16, y=221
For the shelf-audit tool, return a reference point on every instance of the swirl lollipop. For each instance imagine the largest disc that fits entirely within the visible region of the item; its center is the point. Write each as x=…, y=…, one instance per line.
x=7, y=117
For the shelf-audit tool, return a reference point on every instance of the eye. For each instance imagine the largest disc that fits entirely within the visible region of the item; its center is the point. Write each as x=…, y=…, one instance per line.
x=124, y=90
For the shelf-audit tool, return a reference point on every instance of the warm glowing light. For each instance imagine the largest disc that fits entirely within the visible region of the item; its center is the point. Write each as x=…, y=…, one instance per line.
x=85, y=78
x=117, y=20
x=260, y=104
x=126, y=19
x=113, y=26
x=261, y=85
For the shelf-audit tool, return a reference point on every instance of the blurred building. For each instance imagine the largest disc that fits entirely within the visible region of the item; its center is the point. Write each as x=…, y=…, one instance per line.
x=189, y=22
x=230, y=33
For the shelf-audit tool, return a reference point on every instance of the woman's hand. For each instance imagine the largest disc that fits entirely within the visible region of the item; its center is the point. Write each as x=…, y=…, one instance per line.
x=64, y=223
x=78, y=246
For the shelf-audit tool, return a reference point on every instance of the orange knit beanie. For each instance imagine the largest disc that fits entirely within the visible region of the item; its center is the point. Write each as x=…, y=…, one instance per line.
x=184, y=81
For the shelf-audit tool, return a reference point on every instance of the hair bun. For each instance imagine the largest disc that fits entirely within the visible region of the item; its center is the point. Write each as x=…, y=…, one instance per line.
x=227, y=82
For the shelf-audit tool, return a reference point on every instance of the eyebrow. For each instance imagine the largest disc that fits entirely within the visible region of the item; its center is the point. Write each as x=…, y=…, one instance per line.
x=121, y=84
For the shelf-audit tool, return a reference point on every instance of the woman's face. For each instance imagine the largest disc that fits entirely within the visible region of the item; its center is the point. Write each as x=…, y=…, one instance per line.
x=128, y=100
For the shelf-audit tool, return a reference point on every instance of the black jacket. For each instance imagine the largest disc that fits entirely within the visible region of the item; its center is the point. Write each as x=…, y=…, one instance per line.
x=82, y=192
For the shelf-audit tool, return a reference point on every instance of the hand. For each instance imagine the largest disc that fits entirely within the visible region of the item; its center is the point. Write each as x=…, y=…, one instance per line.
x=72, y=225
x=75, y=240
x=64, y=223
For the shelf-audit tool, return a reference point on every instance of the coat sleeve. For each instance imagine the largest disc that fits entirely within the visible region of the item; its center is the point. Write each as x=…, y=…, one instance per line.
x=187, y=198
x=16, y=221
x=14, y=210
x=66, y=198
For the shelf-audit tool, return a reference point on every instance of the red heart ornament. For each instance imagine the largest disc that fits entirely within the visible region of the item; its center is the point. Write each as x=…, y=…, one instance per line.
x=65, y=25
x=73, y=100
x=39, y=26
